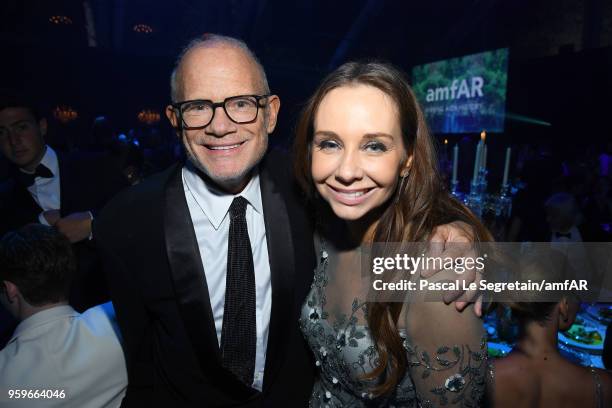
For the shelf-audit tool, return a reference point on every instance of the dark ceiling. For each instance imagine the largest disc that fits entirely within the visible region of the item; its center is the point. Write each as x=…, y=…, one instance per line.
x=303, y=35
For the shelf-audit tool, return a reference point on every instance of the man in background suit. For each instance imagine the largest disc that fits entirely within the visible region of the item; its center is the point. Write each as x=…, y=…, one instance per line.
x=57, y=189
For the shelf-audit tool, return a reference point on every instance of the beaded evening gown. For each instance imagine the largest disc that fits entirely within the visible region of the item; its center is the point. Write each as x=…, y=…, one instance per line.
x=446, y=350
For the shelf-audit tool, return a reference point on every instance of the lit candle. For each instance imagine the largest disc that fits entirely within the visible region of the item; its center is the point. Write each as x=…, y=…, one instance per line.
x=483, y=136
x=477, y=162
x=445, y=149
x=455, y=160
x=506, y=167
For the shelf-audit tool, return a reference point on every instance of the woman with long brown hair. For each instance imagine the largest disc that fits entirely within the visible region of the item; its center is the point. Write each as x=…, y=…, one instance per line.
x=368, y=164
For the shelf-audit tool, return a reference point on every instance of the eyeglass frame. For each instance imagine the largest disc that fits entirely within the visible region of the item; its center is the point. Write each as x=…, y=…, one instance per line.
x=214, y=105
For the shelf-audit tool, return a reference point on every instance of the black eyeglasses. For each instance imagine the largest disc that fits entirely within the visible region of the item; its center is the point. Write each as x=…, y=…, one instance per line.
x=198, y=113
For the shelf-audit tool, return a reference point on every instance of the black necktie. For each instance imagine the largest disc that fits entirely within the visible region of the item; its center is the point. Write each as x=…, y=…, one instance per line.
x=238, y=335
x=561, y=235
x=27, y=179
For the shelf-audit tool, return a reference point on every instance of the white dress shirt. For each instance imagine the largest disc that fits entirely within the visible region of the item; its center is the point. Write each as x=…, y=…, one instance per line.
x=209, y=208
x=46, y=191
x=60, y=349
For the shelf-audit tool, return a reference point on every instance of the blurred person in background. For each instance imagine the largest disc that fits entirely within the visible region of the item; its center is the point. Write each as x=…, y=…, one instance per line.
x=534, y=373
x=54, y=347
x=52, y=188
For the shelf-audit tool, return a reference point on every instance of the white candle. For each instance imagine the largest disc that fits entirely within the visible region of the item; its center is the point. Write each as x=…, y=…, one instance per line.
x=506, y=167
x=477, y=162
x=483, y=163
x=455, y=160
x=445, y=149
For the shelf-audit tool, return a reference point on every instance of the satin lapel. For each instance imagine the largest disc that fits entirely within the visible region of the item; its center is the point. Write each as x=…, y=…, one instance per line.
x=64, y=174
x=280, y=252
x=70, y=184
x=191, y=288
x=22, y=206
x=25, y=207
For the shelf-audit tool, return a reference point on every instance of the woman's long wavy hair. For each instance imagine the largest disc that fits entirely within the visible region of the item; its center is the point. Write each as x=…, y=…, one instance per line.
x=423, y=202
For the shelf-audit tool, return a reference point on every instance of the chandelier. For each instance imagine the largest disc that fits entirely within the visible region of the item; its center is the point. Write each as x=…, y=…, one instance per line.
x=143, y=29
x=148, y=116
x=60, y=20
x=65, y=114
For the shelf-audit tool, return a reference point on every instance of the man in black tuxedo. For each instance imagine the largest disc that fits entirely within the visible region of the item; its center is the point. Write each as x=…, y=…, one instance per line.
x=52, y=188
x=210, y=260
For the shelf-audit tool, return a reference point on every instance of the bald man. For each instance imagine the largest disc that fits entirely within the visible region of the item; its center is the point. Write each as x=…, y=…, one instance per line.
x=206, y=320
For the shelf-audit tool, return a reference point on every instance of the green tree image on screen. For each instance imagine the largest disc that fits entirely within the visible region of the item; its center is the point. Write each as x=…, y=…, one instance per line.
x=465, y=94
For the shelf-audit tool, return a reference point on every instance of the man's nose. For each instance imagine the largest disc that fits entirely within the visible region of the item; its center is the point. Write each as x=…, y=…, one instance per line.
x=350, y=168
x=221, y=124
x=14, y=138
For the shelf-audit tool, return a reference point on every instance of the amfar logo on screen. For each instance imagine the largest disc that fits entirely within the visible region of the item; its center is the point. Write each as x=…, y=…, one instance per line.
x=456, y=90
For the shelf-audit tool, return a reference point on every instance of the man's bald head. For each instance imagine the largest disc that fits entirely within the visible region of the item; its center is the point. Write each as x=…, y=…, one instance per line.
x=213, y=41
x=217, y=69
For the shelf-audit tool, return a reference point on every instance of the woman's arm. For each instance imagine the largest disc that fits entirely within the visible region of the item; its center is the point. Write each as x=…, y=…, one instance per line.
x=446, y=350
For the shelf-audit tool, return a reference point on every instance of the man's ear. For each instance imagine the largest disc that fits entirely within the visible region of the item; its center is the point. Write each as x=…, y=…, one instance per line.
x=42, y=125
x=563, y=308
x=273, y=108
x=11, y=290
x=565, y=318
x=172, y=117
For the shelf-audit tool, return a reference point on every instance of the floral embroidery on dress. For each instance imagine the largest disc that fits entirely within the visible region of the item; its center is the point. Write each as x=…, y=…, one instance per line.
x=344, y=352
x=470, y=378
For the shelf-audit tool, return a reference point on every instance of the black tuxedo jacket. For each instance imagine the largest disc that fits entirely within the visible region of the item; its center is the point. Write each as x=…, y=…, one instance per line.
x=87, y=182
x=159, y=291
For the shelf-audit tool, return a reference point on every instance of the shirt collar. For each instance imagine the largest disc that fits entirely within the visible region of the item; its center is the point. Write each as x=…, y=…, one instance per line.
x=43, y=317
x=215, y=203
x=49, y=160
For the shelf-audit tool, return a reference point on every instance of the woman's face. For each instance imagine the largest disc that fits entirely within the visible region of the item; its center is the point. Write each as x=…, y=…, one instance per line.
x=357, y=150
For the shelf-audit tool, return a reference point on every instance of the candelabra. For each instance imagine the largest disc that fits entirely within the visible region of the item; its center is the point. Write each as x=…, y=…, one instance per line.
x=482, y=182
x=504, y=203
x=474, y=199
x=455, y=190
